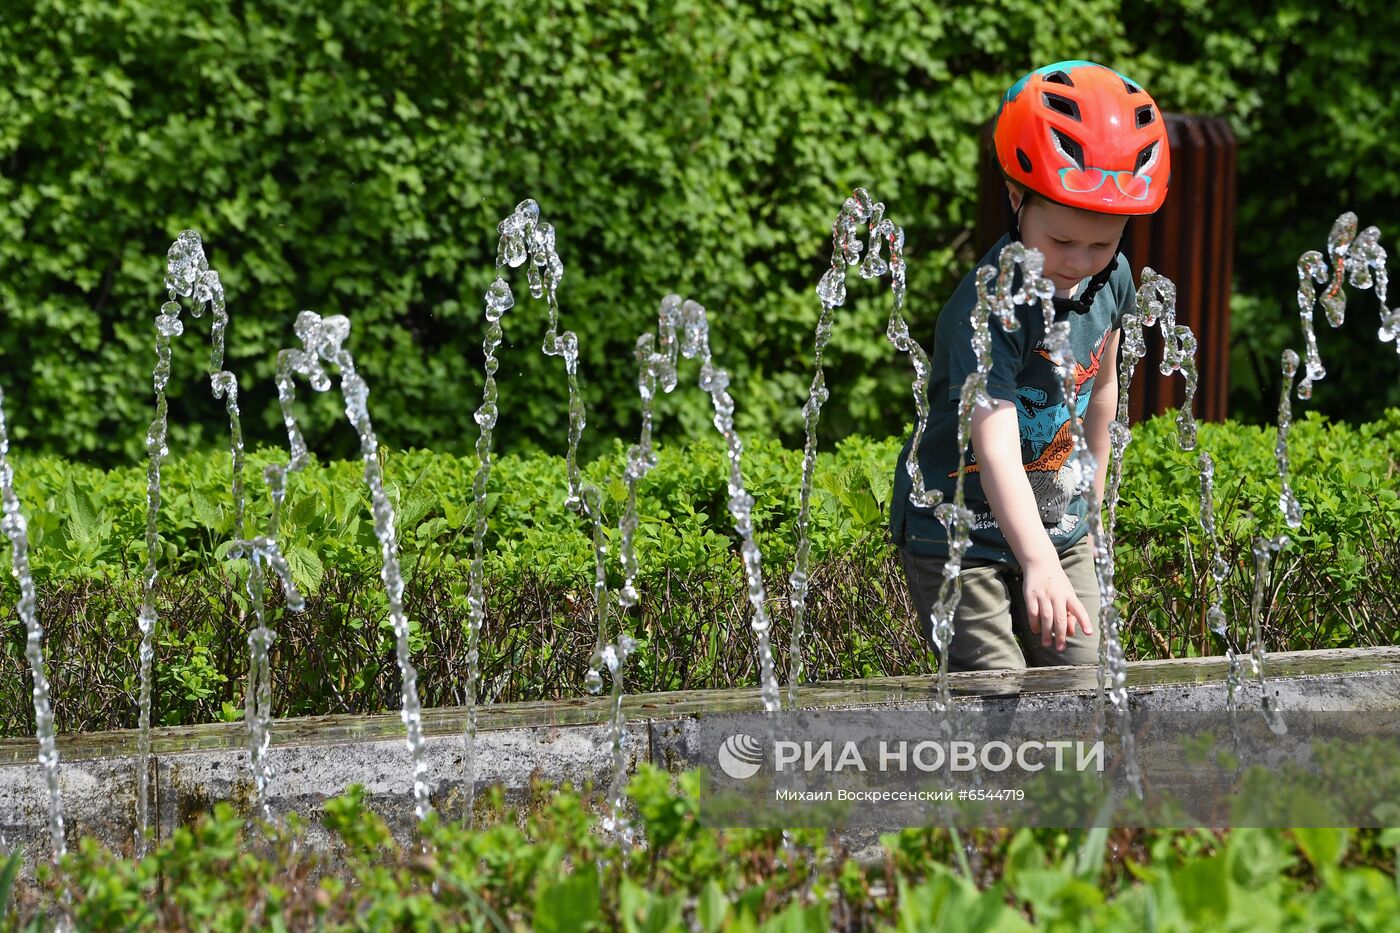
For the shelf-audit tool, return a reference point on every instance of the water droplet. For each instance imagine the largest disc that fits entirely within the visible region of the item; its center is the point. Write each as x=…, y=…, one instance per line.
x=874, y=266
x=542, y=243
x=499, y=299
x=832, y=288
x=1215, y=616
x=515, y=250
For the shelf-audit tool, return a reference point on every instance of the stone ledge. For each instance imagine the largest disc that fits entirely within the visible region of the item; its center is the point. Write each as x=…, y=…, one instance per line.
x=316, y=758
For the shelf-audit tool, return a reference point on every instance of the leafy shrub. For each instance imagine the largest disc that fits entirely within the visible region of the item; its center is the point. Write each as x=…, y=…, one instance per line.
x=354, y=158
x=550, y=871
x=1334, y=586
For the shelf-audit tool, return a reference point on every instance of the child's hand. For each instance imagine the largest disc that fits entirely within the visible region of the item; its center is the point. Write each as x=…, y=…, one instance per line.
x=1053, y=608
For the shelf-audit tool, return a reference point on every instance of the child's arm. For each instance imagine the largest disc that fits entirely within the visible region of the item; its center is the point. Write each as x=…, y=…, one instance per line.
x=1052, y=606
x=1103, y=408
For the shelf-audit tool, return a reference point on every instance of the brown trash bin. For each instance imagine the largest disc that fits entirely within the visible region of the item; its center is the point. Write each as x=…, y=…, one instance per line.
x=1191, y=241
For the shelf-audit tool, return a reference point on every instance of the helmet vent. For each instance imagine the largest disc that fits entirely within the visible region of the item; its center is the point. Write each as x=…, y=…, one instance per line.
x=1064, y=105
x=1024, y=159
x=1132, y=88
x=1067, y=147
x=1146, y=158
x=1145, y=116
x=1058, y=77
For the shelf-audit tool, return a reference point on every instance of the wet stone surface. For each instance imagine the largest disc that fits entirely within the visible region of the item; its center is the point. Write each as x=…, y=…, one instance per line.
x=520, y=744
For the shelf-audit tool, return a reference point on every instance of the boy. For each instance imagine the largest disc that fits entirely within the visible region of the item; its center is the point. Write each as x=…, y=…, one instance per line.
x=1082, y=148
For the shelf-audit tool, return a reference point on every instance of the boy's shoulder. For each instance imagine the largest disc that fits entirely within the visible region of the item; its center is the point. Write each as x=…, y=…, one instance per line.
x=1121, y=281
x=1121, y=287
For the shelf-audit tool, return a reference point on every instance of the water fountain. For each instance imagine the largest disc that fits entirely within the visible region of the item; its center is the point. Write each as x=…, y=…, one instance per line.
x=16, y=529
x=846, y=250
x=524, y=238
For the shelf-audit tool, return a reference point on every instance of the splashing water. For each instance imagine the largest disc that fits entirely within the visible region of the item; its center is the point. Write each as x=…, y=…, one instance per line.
x=846, y=249
x=187, y=275
x=695, y=342
x=652, y=367
x=994, y=295
x=289, y=363
x=1080, y=464
x=1179, y=356
x=1155, y=305
x=1155, y=301
x=257, y=703
x=523, y=240
x=264, y=550
x=1366, y=257
x=615, y=660
x=1370, y=272
x=499, y=300
x=257, y=551
x=1264, y=550
x=544, y=274
x=1311, y=268
x=1219, y=570
x=1120, y=435
x=1112, y=660
x=656, y=366
x=323, y=342
x=1287, y=502
x=17, y=529
x=1113, y=663
x=1367, y=260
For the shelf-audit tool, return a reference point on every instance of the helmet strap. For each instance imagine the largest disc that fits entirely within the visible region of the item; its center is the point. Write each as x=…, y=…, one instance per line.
x=1016, y=217
x=1082, y=304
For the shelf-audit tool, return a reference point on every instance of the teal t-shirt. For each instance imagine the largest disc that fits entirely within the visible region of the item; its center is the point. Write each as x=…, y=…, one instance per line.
x=1022, y=374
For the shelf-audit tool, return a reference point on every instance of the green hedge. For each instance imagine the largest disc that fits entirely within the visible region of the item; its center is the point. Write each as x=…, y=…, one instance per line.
x=1332, y=588
x=354, y=158
x=556, y=874
x=89, y=524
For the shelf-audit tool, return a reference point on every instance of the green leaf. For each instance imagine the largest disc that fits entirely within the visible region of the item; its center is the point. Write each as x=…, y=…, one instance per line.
x=644, y=911
x=8, y=872
x=568, y=905
x=83, y=524
x=209, y=514
x=452, y=511
x=306, y=568
x=712, y=907
x=1323, y=846
x=1203, y=888
x=1088, y=860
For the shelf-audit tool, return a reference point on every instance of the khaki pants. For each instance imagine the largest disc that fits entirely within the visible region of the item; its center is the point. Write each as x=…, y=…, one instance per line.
x=991, y=630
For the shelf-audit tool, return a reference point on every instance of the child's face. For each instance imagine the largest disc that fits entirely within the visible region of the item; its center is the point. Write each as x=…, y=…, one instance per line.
x=1076, y=243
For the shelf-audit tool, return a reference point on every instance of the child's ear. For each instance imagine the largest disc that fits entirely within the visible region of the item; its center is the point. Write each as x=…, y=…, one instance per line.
x=1016, y=193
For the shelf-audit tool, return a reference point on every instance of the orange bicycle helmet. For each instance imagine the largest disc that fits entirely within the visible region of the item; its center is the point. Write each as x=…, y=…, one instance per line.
x=1083, y=135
